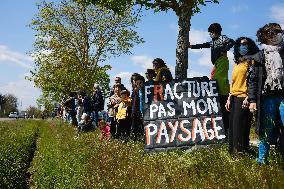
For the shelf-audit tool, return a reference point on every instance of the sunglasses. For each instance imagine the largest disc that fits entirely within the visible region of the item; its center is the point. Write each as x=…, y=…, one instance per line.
x=272, y=33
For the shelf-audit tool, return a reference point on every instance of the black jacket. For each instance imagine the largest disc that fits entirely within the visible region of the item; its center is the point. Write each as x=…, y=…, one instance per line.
x=87, y=104
x=98, y=101
x=218, y=46
x=255, y=82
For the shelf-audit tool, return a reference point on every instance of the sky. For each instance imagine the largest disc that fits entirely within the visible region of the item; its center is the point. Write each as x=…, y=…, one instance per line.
x=159, y=30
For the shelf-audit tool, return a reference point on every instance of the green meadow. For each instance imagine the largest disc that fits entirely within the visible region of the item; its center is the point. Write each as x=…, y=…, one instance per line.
x=49, y=154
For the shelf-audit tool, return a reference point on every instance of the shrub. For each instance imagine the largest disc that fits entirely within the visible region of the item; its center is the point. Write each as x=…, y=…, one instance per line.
x=17, y=141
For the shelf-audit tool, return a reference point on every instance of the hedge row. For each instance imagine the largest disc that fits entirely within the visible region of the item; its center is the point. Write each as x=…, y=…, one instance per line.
x=60, y=158
x=17, y=145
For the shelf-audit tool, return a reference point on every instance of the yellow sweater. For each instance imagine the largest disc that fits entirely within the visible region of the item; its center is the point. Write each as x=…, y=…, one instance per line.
x=122, y=109
x=239, y=79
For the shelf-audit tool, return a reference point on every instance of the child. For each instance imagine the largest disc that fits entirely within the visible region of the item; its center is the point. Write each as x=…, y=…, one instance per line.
x=266, y=89
x=123, y=115
x=219, y=45
x=104, y=128
x=86, y=123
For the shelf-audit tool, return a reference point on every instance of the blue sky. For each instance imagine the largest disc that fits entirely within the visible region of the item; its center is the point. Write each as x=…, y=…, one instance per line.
x=159, y=30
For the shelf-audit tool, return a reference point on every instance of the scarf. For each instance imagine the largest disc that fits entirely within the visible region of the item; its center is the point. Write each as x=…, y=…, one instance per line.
x=274, y=67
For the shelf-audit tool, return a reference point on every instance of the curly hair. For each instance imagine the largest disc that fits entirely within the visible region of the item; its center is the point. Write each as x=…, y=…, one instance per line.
x=252, y=48
x=215, y=28
x=267, y=32
x=159, y=61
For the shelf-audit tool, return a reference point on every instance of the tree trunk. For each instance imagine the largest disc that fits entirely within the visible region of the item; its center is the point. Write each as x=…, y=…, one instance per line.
x=182, y=42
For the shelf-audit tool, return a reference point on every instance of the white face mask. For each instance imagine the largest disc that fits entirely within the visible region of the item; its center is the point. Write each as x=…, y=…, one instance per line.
x=277, y=39
x=212, y=35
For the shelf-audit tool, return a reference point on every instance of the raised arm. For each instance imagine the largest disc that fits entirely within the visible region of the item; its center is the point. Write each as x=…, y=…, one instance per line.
x=200, y=46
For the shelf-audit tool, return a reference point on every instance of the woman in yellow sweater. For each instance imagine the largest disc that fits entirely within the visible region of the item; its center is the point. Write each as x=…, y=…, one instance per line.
x=237, y=103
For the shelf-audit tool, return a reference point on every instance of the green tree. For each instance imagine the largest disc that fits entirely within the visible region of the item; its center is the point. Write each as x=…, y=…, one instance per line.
x=184, y=9
x=2, y=102
x=72, y=43
x=46, y=104
x=9, y=104
x=34, y=111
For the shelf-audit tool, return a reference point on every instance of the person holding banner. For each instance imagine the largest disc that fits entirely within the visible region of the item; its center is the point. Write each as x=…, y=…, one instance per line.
x=219, y=45
x=237, y=103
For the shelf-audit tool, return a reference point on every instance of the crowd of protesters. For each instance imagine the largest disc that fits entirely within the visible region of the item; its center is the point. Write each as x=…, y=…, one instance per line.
x=124, y=115
x=257, y=84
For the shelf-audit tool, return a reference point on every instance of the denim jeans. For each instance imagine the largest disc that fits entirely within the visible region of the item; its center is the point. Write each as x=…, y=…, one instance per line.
x=271, y=123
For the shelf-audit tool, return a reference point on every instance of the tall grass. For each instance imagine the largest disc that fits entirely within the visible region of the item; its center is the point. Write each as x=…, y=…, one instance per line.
x=17, y=144
x=118, y=165
x=63, y=160
x=60, y=159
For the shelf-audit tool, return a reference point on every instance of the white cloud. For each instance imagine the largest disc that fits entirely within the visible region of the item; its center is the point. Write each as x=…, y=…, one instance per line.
x=239, y=8
x=24, y=90
x=204, y=58
x=235, y=26
x=277, y=13
x=125, y=79
x=198, y=36
x=9, y=56
x=231, y=57
x=143, y=61
x=195, y=35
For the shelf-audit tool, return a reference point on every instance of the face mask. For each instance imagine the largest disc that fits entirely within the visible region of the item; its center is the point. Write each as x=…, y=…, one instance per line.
x=212, y=35
x=243, y=50
x=277, y=39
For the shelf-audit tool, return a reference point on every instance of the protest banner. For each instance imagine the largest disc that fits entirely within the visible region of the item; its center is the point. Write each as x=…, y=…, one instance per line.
x=181, y=114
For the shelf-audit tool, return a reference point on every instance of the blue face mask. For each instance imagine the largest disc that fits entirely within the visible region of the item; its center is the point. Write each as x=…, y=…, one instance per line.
x=243, y=50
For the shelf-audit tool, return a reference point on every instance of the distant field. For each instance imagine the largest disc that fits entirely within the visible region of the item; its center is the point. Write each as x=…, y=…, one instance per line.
x=42, y=154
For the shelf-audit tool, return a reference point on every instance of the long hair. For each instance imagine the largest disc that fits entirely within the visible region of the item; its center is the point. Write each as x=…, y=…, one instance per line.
x=267, y=32
x=252, y=48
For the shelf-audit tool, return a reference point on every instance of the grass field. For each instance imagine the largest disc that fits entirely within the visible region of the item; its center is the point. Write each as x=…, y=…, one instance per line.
x=43, y=154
